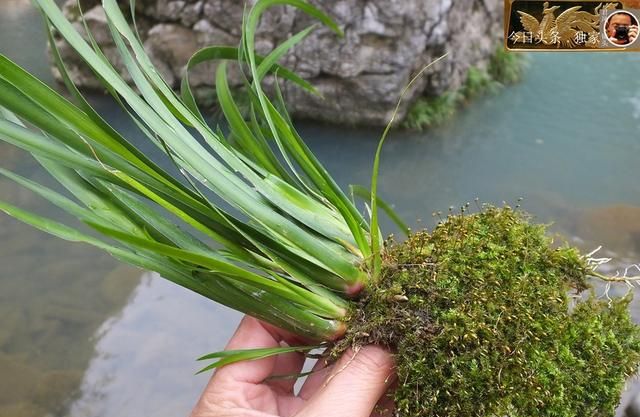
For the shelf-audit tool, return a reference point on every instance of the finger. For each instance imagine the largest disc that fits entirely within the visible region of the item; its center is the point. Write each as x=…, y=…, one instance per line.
x=287, y=364
x=386, y=406
x=290, y=338
x=356, y=383
x=251, y=333
x=320, y=372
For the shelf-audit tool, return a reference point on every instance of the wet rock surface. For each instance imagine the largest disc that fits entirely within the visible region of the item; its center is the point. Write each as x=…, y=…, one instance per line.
x=360, y=75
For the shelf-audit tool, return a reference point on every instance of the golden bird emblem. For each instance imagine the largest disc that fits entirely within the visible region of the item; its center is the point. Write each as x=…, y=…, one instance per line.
x=572, y=27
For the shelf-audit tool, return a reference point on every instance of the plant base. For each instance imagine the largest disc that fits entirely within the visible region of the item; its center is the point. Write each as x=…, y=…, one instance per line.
x=487, y=318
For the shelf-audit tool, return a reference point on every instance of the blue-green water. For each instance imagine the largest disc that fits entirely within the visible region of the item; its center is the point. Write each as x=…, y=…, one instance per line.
x=82, y=336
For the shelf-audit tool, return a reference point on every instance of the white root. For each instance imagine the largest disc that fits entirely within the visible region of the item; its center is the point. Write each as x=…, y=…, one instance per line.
x=631, y=281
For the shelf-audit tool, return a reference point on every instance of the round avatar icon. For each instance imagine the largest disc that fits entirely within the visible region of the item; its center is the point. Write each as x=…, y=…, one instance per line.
x=621, y=28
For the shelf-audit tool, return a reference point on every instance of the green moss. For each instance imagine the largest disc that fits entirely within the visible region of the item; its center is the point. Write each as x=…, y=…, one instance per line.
x=481, y=315
x=504, y=68
x=478, y=82
x=431, y=111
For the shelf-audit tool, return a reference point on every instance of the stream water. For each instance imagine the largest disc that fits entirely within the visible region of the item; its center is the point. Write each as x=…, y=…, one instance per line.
x=82, y=336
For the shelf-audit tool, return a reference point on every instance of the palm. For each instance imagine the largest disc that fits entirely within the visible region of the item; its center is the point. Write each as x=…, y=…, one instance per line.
x=245, y=398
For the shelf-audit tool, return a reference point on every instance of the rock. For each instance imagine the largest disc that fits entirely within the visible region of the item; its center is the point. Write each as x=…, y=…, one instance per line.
x=225, y=14
x=169, y=10
x=97, y=23
x=170, y=46
x=191, y=13
x=361, y=75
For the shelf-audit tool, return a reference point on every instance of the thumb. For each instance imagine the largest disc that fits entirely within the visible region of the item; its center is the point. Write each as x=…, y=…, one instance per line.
x=355, y=385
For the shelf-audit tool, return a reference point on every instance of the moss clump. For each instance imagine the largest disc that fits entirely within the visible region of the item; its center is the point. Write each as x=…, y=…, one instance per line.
x=481, y=315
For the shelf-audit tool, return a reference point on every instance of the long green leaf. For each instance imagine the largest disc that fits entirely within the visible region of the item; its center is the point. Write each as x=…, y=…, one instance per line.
x=212, y=170
x=254, y=146
x=64, y=111
x=214, y=263
x=269, y=63
x=52, y=196
x=261, y=304
x=213, y=53
x=227, y=357
x=365, y=194
x=375, y=231
x=285, y=232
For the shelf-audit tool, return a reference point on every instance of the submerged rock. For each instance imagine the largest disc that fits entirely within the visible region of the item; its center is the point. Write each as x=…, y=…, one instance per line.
x=55, y=388
x=360, y=75
x=119, y=284
x=29, y=390
x=616, y=228
x=22, y=409
x=18, y=378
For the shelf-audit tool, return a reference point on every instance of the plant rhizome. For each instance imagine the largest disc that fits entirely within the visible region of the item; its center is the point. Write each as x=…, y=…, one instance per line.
x=488, y=318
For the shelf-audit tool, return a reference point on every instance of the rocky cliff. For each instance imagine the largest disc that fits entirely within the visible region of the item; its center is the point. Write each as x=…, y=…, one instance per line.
x=360, y=75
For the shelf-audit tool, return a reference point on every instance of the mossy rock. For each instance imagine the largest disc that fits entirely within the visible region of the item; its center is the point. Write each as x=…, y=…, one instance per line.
x=488, y=318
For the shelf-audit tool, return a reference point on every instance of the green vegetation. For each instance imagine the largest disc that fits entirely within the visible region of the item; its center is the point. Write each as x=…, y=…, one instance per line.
x=480, y=312
x=504, y=68
x=432, y=111
x=477, y=310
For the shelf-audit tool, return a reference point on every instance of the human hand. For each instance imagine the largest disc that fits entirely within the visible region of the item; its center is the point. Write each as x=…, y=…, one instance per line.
x=350, y=388
x=633, y=33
